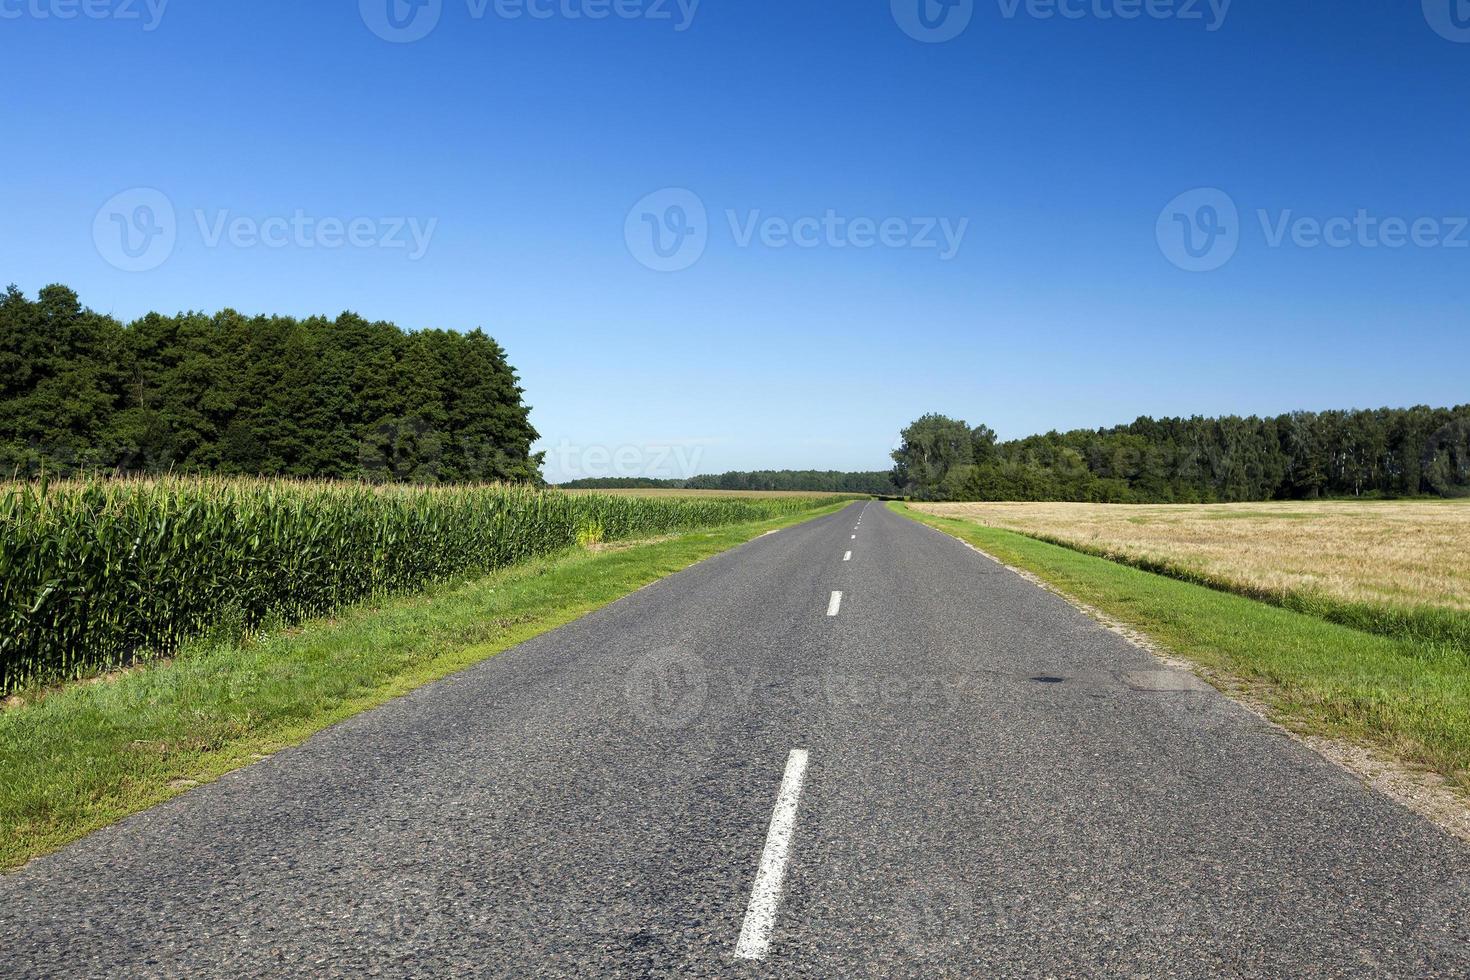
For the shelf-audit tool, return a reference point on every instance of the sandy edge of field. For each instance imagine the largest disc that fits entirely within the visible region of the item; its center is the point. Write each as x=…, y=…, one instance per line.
x=1425, y=793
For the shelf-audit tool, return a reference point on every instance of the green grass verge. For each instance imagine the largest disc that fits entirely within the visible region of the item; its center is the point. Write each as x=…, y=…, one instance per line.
x=82, y=756
x=1402, y=695
x=1427, y=624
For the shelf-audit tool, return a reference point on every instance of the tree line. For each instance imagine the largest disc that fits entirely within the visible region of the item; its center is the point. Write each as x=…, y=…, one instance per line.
x=825, y=481
x=1400, y=452
x=263, y=395
x=353, y=399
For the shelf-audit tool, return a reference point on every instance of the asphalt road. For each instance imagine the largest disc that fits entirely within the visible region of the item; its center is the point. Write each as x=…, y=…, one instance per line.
x=994, y=785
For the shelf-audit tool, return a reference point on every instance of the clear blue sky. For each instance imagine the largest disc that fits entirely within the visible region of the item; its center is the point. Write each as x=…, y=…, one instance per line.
x=1060, y=140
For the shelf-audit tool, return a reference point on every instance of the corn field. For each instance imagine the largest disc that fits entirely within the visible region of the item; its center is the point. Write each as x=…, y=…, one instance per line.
x=96, y=574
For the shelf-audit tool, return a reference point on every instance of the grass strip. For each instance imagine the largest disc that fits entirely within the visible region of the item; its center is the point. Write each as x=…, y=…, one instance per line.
x=1405, y=696
x=1427, y=624
x=81, y=756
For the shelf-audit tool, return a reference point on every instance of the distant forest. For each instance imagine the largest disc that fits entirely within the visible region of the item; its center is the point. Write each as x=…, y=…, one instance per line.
x=264, y=395
x=353, y=399
x=827, y=481
x=1301, y=456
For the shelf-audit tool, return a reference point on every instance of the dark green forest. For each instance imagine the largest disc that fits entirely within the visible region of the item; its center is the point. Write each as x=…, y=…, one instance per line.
x=1385, y=452
x=622, y=483
x=352, y=399
x=826, y=481
x=264, y=395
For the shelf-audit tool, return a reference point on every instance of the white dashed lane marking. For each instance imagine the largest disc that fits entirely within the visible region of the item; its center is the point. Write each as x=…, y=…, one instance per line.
x=765, y=895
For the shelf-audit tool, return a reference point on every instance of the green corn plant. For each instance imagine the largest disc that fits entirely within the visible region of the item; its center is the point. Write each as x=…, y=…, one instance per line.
x=96, y=573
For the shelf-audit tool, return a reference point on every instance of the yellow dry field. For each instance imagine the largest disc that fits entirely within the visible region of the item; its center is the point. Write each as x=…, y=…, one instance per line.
x=1409, y=553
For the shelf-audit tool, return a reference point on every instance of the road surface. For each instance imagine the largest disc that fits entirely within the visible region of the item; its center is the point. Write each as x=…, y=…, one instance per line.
x=736, y=772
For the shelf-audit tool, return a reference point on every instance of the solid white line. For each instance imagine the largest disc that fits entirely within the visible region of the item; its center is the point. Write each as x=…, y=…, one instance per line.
x=835, y=605
x=847, y=557
x=765, y=895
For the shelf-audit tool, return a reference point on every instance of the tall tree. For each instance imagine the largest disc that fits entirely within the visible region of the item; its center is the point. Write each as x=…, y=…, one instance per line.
x=931, y=449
